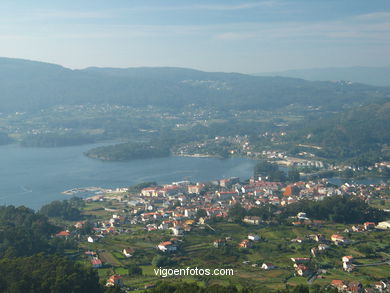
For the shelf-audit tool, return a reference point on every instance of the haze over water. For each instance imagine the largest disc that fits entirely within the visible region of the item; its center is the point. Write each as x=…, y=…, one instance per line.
x=36, y=176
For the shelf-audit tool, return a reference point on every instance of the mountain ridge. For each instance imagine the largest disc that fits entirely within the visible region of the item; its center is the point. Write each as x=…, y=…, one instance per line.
x=32, y=85
x=377, y=76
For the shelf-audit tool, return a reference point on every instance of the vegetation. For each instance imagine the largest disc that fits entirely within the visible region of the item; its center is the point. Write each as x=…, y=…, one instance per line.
x=183, y=287
x=357, y=136
x=46, y=273
x=138, y=187
x=23, y=232
x=48, y=85
x=66, y=209
x=339, y=209
x=270, y=171
x=129, y=151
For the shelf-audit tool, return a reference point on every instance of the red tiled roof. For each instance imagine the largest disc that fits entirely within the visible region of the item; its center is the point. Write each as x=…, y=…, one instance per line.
x=63, y=233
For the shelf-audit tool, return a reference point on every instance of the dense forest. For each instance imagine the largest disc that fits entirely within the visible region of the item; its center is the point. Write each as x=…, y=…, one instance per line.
x=129, y=151
x=42, y=273
x=65, y=210
x=29, y=262
x=23, y=232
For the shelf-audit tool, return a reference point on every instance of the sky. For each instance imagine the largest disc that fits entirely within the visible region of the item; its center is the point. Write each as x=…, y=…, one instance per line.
x=214, y=35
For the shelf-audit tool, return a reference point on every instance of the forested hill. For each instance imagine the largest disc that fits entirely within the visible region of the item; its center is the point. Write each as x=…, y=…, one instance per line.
x=28, y=85
x=361, y=134
x=379, y=76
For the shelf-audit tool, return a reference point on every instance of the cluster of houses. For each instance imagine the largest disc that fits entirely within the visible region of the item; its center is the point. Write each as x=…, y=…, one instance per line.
x=168, y=246
x=357, y=287
x=169, y=206
x=248, y=243
x=180, y=206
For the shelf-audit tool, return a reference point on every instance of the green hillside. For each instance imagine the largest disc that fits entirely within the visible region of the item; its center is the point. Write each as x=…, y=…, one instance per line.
x=27, y=85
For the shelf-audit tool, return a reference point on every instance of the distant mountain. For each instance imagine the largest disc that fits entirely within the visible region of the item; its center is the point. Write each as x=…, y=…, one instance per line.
x=29, y=85
x=378, y=76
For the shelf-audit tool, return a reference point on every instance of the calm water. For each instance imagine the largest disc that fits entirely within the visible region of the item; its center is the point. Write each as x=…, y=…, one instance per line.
x=35, y=176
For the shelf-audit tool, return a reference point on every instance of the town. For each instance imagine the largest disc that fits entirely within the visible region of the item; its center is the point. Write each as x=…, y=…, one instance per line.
x=272, y=234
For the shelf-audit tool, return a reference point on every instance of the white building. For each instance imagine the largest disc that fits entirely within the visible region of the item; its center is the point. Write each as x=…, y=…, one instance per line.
x=253, y=237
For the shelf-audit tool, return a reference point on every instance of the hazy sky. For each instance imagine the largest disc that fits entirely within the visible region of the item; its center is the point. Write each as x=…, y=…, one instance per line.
x=243, y=36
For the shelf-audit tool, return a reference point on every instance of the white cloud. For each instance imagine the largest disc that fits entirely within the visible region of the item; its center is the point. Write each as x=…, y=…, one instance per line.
x=375, y=16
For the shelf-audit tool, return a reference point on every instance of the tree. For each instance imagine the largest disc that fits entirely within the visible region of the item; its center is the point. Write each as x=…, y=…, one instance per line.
x=161, y=261
x=293, y=175
x=269, y=170
x=46, y=273
x=133, y=269
x=23, y=232
x=347, y=173
x=237, y=212
x=264, y=168
x=65, y=210
x=201, y=213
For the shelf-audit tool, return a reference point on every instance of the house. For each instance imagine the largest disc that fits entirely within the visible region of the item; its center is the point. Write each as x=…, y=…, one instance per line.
x=337, y=239
x=64, y=234
x=314, y=251
x=302, y=270
x=347, y=263
x=177, y=231
x=348, y=258
x=291, y=190
x=348, y=267
x=339, y=284
x=369, y=225
x=322, y=247
x=319, y=237
x=226, y=195
x=91, y=239
x=90, y=253
x=251, y=220
x=245, y=244
x=356, y=228
x=164, y=225
x=355, y=287
x=96, y=263
x=302, y=216
x=300, y=260
x=297, y=223
x=383, y=225
x=167, y=246
x=219, y=243
x=128, y=252
x=150, y=191
x=114, y=280
x=297, y=240
x=79, y=225
x=268, y=266
x=381, y=286
x=195, y=188
x=253, y=237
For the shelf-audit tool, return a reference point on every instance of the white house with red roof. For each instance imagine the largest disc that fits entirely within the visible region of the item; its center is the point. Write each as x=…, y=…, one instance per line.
x=114, y=280
x=167, y=246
